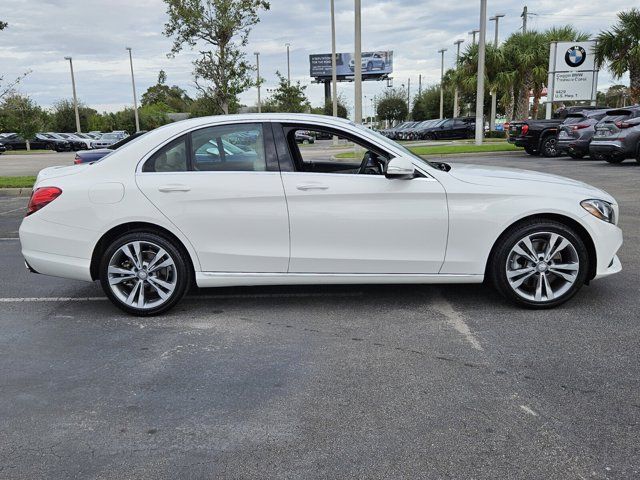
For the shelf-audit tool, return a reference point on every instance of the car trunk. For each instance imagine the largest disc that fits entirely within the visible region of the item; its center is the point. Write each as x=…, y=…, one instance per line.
x=608, y=126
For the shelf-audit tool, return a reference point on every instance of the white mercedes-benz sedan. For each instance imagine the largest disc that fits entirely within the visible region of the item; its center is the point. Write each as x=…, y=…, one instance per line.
x=234, y=200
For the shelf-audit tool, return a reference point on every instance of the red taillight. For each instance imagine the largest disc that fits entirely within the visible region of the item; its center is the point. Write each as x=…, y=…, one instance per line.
x=77, y=160
x=580, y=126
x=525, y=129
x=41, y=197
x=622, y=124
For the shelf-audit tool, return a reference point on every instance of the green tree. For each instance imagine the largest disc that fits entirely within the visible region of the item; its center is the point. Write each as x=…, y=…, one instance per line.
x=426, y=106
x=616, y=96
x=153, y=116
x=63, y=116
x=220, y=30
x=619, y=48
x=20, y=114
x=343, y=112
x=174, y=97
x=288, y=97
x=393, y=105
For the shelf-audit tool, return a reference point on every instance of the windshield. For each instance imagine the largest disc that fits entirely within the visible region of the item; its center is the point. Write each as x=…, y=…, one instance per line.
x=109, y=136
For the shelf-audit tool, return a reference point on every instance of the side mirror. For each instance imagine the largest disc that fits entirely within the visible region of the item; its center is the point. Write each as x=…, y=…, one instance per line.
x=400, y=168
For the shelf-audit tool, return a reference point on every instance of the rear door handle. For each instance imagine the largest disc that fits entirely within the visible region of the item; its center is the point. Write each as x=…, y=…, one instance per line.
x=174, y=188
x=311, y=186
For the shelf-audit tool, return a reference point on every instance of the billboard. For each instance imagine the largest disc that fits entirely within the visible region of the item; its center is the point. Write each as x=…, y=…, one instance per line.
x=573, y=73
x=374, y=65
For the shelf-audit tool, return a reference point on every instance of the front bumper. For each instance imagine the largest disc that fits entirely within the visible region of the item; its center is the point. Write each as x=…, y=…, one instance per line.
x=607, y=240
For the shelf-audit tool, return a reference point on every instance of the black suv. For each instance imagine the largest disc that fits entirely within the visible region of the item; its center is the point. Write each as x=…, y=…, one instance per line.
x=450, y=128
x=39, y=142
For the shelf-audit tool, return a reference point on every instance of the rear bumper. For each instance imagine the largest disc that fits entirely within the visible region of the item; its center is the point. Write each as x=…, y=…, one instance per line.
x=573, y=145
x=522, y=142
x=610, y=148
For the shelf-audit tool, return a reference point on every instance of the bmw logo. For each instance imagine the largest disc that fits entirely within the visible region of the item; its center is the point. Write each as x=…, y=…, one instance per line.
x=575, y=56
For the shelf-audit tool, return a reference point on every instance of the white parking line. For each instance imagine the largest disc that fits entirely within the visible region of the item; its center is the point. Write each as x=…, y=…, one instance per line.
x=455, y=320
x=8, y=239
x=195, y=297
x=14, y=210
x=528, y=410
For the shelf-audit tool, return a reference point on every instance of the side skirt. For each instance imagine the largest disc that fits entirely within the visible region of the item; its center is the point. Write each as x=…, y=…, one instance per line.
x=232, y=279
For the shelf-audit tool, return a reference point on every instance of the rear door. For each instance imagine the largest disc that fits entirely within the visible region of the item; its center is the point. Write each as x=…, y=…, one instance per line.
x=221, y=186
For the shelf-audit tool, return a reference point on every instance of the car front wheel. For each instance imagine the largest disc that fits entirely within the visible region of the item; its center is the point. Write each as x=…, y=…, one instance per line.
x=539, y=264
x=144, y=273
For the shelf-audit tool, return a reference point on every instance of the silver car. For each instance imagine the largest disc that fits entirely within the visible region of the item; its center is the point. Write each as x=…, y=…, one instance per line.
x=617, y=135
x=106, y=140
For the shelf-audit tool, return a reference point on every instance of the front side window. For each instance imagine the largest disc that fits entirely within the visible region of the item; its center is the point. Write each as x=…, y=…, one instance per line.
x=235, y=148
x=314, y=154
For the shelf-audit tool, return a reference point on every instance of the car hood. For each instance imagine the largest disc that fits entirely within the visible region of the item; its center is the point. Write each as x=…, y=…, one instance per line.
x=502, y=176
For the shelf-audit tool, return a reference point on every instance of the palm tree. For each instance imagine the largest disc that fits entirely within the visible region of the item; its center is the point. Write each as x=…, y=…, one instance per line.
x=620, y=49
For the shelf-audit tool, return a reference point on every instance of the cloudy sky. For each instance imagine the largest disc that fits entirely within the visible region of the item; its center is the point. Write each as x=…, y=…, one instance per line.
x=96, y=32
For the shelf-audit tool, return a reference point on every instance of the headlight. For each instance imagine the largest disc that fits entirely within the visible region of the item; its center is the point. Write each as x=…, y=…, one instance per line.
x=600, y=209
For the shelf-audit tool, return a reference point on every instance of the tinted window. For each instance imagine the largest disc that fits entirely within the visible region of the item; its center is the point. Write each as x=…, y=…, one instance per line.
x=235, y=148
x=170, y=158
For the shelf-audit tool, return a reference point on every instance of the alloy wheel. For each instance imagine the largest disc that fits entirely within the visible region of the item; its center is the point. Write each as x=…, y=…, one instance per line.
x=542, y=266
x=142, y=274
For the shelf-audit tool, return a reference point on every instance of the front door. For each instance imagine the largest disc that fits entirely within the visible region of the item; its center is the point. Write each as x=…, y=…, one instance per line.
x=346, y=218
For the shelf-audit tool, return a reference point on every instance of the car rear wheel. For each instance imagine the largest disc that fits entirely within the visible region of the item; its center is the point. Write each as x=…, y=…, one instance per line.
x=144, y=273
x=613, y=159
x=539, y=264
x=550, y=146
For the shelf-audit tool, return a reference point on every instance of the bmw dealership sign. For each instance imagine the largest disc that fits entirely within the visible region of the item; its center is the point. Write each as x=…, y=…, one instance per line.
x=573, y=73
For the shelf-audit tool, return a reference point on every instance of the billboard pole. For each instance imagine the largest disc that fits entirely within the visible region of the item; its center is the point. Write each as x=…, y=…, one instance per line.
x=441, y=52
x=358, y=62
x=550, y=79
x=334, y=75
x=480, y=90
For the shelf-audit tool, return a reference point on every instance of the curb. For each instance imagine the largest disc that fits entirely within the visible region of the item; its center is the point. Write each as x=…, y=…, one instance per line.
x=15, y=192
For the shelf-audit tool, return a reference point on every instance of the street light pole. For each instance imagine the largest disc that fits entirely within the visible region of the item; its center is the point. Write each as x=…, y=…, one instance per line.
x=441, y=52
x=334, y=75
x=135, y=99
x=481, y=59
x=456, y=107
x=288, y=64
x=408, y=98
x=494, y=95
x=358, y=62
x=473, y=32
x=75, y=98
x=257, y=54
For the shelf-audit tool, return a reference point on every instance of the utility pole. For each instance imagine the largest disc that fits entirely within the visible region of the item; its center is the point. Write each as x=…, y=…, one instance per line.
x=75, y=98
x=288, y=64
x=524, y=19
x=257, y=54
x=473, y=32
x=135, y=99
x=441, y=52
x=358, y=62
x=481, y=59
x=419, y=84
x=494, y=96
x=408, y=98
x=456, y=107
x=334, y=76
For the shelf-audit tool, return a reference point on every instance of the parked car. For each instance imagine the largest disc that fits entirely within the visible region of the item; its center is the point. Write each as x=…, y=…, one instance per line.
x=449, y=128
x=576, y=132
x=370, y=61
x=121, y=133
x=77, y=140
x=304, y=137
x=154, y=222
x=95, y=134
x=14, y=141
x=74, y=143
x=105, y=140
x=2, y=148
x=390, y=132
x=617, y=135
x=540, y=137
x=415, y=132
x=89, y=156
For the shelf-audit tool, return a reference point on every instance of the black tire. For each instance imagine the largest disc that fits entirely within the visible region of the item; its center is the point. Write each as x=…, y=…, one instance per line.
x=430, y=136
x=181, y=274
x=613, y=159
x=549, y=146
x=497, y=268
x=369, y=66
x=531, y=150
x=575, y=155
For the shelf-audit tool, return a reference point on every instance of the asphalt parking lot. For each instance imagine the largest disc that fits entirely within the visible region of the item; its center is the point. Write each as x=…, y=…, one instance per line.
x=325, y=382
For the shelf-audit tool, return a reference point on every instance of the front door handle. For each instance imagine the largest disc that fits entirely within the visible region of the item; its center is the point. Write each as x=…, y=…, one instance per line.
x=174, y=188
x=311, y=186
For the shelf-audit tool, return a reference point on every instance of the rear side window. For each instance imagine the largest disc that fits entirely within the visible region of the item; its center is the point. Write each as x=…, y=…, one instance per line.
x=234, y=148
x=170, y=158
